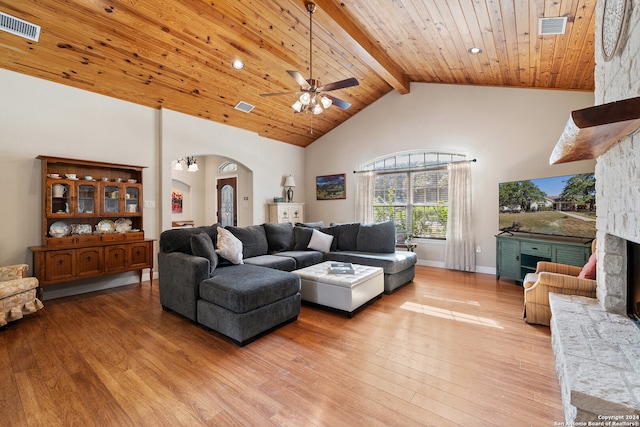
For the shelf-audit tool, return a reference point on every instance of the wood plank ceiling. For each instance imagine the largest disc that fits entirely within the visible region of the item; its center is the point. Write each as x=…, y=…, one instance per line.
x=177, y=54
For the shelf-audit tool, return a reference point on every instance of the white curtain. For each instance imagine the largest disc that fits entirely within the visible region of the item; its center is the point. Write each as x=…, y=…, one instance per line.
x=364, y=197
x=460, y=249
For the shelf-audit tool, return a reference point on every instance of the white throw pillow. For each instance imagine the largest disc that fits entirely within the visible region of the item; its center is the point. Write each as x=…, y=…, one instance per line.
x=320, y=241
x=229, y=246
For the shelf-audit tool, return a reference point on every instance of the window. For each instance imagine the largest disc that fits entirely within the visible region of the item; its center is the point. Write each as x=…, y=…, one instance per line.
x=412, y=189
x=228, y=167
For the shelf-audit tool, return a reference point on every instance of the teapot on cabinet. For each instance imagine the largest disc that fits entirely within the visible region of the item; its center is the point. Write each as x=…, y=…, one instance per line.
x=58, y=190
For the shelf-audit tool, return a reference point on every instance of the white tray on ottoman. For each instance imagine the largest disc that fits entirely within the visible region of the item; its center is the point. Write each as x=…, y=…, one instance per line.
x=345, y=292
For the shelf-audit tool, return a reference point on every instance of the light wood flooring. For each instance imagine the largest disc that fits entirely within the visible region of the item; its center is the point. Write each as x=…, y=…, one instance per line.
x=450, y=349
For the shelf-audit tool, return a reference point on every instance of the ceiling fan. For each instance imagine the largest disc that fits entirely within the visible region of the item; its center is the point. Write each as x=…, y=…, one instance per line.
x=313, y=97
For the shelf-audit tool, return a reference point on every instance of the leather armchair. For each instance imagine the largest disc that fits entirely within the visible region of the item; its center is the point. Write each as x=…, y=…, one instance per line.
x=556, y=278
x=18, y=293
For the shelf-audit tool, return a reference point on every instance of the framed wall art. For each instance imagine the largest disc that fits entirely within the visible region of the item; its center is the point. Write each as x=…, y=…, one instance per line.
x=176, y=201
x=331, y=187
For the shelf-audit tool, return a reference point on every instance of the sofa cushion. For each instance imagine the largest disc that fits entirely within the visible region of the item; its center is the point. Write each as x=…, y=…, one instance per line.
x=391, y=263
x=318, y=224
x=253, y=238
x=320, y=241
x=179, y=240
x=279, y=236
x=242, y=288
x=301, y=238
x=202, y=246
x=332, y=231
x=348, y=236
x=229, y=246
x=272, y=261
x=379, y=237
x=303, y=258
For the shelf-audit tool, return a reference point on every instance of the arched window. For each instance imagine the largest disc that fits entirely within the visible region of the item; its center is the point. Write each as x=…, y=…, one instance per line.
x=412, y=190
x=227, y=167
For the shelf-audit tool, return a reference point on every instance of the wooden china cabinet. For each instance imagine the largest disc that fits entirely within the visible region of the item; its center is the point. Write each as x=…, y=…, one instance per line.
x=91, y=221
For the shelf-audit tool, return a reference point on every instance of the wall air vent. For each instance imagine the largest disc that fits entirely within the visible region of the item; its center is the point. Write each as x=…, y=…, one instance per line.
x=243, y=106
x=548, y=26
x=17, y=26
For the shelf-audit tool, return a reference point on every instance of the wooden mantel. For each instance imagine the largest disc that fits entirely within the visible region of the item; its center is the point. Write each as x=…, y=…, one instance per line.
x=590, y=132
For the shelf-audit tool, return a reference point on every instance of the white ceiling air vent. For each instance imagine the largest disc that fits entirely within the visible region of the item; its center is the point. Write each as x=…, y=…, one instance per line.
x=243, y=106
x=17, y=26
x=548, y=26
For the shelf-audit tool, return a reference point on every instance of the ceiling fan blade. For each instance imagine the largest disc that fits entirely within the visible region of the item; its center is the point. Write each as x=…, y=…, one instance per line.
x=340, y=85
x=338, y=102
x=278, y=94
x=304, y=84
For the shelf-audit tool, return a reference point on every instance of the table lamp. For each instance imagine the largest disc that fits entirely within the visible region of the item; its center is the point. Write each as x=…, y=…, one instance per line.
x=289, y=183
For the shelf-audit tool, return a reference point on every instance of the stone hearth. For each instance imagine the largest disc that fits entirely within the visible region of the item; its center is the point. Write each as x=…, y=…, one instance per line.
x=597, y=361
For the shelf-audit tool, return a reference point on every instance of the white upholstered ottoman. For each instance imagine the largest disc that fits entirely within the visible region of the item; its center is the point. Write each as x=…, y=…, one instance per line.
x=345, y=292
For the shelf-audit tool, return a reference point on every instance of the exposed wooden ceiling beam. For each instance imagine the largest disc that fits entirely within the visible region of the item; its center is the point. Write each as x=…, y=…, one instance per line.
x=368, y=50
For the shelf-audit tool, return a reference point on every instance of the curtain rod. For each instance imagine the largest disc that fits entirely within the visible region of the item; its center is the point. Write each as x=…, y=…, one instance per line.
x=419, y=169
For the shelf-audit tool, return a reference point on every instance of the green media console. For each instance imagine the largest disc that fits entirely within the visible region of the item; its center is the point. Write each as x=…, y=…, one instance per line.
x=518, y=254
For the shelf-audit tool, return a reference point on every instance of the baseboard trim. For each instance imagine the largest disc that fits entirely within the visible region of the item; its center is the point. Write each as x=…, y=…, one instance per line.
x=439, y=264
x=78, y=287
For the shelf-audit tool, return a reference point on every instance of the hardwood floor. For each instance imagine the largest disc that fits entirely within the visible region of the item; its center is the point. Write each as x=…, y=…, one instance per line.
x=450, y=349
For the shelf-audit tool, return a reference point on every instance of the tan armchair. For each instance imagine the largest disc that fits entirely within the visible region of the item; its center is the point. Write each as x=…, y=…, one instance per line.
x=556, y=278
x=18, y=293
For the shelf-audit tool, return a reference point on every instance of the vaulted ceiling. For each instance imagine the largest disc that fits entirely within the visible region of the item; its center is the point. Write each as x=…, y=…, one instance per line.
x=177, y=54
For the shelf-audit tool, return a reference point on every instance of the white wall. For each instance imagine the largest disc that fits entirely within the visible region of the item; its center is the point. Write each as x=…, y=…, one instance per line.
x=267, y=159
x=40, y=117
x=511, y=133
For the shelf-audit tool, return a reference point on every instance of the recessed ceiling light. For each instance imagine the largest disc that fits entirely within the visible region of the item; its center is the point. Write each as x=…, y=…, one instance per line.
x=474, y=50
x=237, y=64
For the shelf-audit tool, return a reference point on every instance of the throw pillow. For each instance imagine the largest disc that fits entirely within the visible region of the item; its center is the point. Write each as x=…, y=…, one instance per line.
x=301, y=238
x=348, y=236
x=279, y=236
x=332, y=231
x=179, y=240
x=320, y=241
x=202, y=246
x=229, y=246
x=253, y=238
x=589, y=269
x=310, y=224
x=379, y=237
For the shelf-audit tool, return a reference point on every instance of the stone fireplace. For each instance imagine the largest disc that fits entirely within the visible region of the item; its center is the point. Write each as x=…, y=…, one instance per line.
x=597, y=346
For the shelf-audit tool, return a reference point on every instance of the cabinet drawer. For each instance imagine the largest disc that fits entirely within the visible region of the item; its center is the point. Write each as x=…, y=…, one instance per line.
x=87, y=238
x=533, y=248
x=134, y=235
x=113, y=237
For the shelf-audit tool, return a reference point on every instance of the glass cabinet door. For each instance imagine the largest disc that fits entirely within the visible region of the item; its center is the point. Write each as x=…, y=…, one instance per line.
x=60, y=197
x=111, y=199
x=132, y=199
x=86, y=198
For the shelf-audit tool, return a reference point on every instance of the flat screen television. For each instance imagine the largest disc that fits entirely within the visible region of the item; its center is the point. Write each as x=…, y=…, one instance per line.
x=558, y=206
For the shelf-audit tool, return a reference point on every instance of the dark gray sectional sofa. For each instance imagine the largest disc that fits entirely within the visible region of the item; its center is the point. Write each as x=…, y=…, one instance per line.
x=247, y=299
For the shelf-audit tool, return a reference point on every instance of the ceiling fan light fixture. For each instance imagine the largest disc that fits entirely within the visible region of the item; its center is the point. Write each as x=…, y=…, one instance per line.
x=311, y=99
x=297, y=106
x=305, y=98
